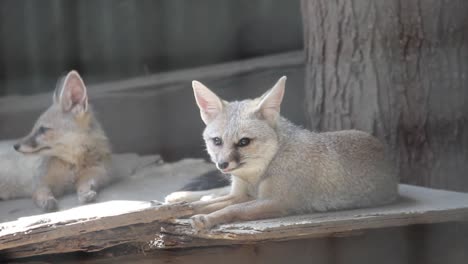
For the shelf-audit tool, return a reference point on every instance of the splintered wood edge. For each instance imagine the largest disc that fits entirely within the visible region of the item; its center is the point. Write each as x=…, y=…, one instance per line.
x=154, y=227
x=53, y=226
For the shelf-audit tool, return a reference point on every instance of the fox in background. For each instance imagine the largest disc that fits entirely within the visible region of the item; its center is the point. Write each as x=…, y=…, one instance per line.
x=66, y=149
x=278, y=168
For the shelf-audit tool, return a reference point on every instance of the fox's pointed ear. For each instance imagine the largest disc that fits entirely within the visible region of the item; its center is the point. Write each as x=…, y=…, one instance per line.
x=209, y=103
x=270, y=102
x=72, y=94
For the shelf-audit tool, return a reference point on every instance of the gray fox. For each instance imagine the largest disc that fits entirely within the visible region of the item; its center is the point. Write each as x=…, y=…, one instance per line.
x=279, y=169
x=66, y=149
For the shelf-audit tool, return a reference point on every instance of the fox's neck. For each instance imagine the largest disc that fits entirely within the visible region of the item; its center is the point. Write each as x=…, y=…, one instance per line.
x=287, y=131
x=91, y=152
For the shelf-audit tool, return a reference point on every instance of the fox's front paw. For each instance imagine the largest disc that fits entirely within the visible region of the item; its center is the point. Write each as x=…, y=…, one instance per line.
x=178, y=197
x=87, y=196
x=208, y=197
x=200, y=222
x=48, y=203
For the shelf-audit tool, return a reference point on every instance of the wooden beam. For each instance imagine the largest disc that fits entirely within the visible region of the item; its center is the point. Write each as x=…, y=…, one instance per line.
x=417, y=205
x=99, y=226
x=16, y=103
x=287, y=59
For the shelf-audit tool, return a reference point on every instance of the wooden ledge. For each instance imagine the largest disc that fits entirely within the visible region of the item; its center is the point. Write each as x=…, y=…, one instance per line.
x=98, y=226
x=417, y=205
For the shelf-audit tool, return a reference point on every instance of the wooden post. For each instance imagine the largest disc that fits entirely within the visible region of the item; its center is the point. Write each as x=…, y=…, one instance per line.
x=399, y=70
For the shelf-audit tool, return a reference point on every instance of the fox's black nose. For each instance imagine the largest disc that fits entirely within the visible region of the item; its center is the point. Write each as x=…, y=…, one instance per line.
x=16, y=146
x=223, y=165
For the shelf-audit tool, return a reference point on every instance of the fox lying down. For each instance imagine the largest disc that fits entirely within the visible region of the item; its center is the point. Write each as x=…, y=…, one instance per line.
x=66, y=150
x=278, y=168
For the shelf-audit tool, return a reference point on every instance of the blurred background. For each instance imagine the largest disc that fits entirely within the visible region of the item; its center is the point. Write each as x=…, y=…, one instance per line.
x=117, y=39
x=138, y=59
x=396, y=69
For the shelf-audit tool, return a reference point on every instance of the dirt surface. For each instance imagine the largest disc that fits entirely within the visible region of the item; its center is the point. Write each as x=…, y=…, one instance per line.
x=144, y=178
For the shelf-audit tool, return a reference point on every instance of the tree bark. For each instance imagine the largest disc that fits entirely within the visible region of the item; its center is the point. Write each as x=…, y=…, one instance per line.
x=399, y=70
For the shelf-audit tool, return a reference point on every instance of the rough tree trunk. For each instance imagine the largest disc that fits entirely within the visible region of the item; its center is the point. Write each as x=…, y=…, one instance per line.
x=397, y=69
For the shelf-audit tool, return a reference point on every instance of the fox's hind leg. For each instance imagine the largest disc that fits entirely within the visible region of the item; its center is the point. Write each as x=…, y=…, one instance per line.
x=89, y=182
x=253, y=210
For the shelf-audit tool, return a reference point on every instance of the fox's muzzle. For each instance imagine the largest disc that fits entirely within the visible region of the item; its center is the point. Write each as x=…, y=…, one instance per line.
x=228, y=160
x=27, y=145
x=223, y=165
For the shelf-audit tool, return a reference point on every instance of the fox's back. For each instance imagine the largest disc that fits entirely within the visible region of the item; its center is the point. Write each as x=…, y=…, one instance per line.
x=329, y=171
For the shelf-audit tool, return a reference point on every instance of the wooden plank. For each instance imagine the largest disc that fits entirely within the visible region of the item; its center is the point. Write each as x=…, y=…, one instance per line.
x=417, y=205
x=409, y=244
x=99, y=226
x=84, y=219
x=287, y=59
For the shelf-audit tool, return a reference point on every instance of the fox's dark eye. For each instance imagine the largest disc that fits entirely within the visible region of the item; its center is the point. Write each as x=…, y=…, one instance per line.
x=217, y=141
x=43, y=129
x=243, y=142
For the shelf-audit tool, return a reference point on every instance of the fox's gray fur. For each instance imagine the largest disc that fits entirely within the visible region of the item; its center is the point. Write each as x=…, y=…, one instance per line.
x=279, y=168
x=66, y=149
